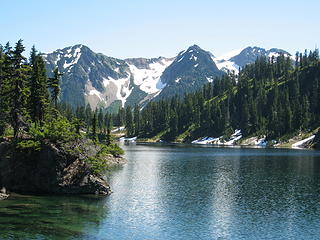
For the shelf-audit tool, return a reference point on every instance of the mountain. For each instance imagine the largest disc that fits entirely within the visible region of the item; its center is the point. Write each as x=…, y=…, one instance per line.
x=108, y=82
x=103, y=81
x=86, y=75
x=190, y=70
x=275, y=100
x=237, y=59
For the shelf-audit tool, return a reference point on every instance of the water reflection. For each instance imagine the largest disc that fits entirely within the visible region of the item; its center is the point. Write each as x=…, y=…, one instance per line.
x=183, y=192
x=49, y=217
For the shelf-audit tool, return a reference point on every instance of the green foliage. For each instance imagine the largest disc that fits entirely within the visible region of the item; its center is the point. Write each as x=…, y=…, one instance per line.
x=112, y=149
x=55, y=129
x=39, y=96
x=54, y=85
x=29, y=145
x=94, y=126
x=99, y=162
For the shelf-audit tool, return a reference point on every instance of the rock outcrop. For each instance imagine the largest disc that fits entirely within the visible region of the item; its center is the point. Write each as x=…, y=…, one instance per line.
x=54, y=169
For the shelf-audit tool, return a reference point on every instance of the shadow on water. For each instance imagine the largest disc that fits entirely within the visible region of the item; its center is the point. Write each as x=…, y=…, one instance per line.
x=51, y=217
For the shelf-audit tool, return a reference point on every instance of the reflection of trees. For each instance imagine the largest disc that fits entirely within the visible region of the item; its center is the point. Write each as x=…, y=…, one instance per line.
x=277, y=188
x=198, y=190
x=239, y=191
x=51, y=217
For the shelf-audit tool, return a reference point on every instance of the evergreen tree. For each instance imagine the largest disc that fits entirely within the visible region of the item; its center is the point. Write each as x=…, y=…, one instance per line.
x=108, y=137
x=94, y=125
x=19, y=90
x=136, y=120
x=100, y=120
x=39, y=96
x=129, y=122
x=173, y=124
x=54, y=86
x=88, y=115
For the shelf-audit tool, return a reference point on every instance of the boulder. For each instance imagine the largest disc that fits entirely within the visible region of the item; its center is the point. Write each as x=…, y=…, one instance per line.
x=54, y=169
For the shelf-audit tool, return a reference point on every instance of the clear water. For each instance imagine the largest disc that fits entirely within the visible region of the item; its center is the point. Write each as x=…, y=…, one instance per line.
x=184, y=192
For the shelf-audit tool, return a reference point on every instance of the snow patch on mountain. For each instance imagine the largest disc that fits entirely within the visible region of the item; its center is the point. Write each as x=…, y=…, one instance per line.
x=223, y=62
x=93, y=96
x=227, y=66
x=229, y=55
x=180, y=59
x=210, y=79
x=234, y=60
x=273, y=54
x=192, y=57
x=148, y=79
x=123, y=89
x=95, y=92
x=72, y=58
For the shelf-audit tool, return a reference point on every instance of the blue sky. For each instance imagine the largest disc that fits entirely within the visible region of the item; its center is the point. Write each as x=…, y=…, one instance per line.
x=141, y=28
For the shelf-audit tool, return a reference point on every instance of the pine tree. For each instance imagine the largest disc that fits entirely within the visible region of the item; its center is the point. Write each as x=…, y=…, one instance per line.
x=94, y=125
x=88, y=115
x=136, y=120
x=3, y=90
x=173, y=124
x=100, y=120
x=54, y=86
x=33, y=55
x=129, y=122
x=107, y=121
x=39, y=96
x=108, y=137
x=19, y=92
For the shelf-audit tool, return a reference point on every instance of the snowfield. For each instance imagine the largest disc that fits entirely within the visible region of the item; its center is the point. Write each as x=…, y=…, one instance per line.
x=148, y=79
x=223, y=62
x=123, y=87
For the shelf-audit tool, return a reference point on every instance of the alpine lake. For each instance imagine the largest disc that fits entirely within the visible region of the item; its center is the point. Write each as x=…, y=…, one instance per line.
x=176, y=191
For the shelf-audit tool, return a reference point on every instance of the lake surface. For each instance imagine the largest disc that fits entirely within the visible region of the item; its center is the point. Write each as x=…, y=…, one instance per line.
x=184, y=192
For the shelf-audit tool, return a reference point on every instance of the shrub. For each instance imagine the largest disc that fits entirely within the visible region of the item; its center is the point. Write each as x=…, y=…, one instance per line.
x=99, y=163
x=54, y=129
x=29, y=144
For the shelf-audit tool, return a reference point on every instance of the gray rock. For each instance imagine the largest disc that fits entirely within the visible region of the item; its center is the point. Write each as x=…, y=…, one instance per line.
x=55, y=169
x=3, y=196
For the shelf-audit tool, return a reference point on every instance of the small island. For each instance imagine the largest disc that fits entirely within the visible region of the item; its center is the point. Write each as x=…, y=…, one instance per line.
x=44, y=147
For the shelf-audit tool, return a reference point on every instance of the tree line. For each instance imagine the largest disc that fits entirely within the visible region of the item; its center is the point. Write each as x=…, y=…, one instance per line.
x=272, y=97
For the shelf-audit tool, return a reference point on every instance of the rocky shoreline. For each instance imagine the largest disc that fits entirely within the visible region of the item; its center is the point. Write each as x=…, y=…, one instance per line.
x=57, y=168
x=309, y=140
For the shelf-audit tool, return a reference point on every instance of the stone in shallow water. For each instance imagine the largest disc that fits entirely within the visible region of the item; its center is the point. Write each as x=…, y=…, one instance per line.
x=3, y=196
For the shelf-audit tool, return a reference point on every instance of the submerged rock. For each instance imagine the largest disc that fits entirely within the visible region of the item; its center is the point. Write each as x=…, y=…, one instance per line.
x=53, y=169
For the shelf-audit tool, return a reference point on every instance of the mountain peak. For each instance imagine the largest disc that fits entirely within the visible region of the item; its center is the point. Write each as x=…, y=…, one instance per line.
x=100, y=80
x=190, y=70
x=249, y=55
x=194, y=47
